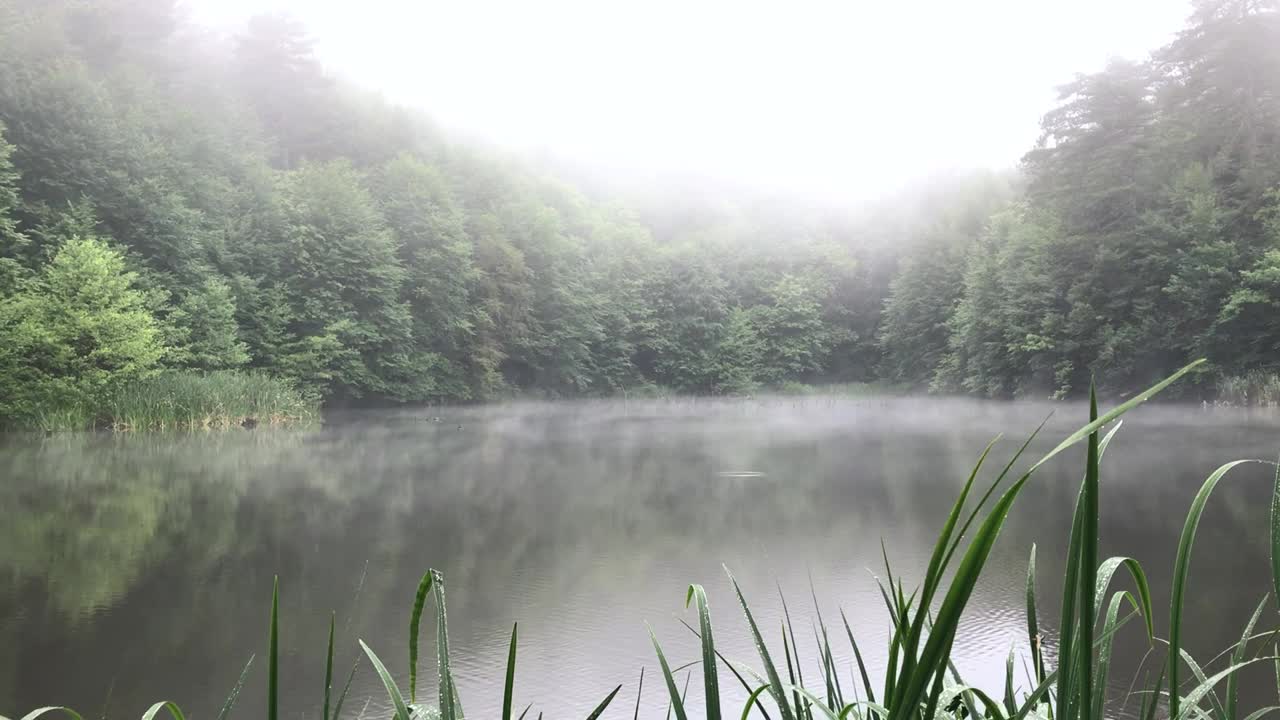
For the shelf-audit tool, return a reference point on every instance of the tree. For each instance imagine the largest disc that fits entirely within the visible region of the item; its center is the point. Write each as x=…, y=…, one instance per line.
x=208, y=337
x=75, y=333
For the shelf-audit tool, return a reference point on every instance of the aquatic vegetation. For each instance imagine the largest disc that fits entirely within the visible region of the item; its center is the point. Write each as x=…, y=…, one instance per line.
x=921, y=682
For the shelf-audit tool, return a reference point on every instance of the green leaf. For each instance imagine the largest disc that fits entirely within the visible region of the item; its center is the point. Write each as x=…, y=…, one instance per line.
x=1181, y=569
x=603, y=704
x=509, y=686
x=393, y=692
x=235, y=691
x=676, y=702
x=415, y=620
x=775, y=681
x=710, y=678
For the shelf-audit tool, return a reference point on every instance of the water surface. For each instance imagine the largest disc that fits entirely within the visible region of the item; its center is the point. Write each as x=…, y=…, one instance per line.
x=135, y=568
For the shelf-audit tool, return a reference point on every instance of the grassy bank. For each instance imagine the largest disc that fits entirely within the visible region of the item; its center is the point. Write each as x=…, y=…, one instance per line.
x=183, y=400
x=921, y=682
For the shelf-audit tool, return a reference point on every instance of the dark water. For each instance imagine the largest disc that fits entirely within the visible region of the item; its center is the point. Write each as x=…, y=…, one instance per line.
x=138, y=568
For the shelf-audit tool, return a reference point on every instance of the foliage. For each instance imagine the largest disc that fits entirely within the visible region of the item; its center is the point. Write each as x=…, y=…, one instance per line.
x=73, y=335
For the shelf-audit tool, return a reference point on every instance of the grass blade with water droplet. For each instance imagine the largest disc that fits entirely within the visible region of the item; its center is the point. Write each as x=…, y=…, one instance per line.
x=771, y=670
x=415, y=620
x=710, y=677
x=393, y=692
x=1181, y=568
x=235, y=691
x=676, y=702
x=1237, y=656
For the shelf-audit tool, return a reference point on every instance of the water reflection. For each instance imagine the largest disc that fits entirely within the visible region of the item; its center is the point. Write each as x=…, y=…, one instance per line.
x=139, y=567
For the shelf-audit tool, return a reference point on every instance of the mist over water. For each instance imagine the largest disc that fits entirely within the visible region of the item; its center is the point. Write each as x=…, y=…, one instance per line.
x=140, y=565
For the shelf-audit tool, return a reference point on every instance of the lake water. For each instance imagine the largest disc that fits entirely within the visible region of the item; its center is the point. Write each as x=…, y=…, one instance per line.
x=135, y=568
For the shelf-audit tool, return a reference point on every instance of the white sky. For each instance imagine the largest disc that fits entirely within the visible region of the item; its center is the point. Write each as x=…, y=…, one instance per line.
x=829, y=97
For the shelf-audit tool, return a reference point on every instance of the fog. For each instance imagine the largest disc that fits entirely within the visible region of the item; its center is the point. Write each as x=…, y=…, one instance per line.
x=837, y=99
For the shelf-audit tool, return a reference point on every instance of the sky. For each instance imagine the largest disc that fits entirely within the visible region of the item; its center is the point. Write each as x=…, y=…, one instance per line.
x=836, y=98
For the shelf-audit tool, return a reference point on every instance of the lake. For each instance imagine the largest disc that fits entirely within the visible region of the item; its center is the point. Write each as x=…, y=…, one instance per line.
x=136, y=568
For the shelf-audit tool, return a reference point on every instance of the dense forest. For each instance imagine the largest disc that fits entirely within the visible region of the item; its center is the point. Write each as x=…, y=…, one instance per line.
x=173, y=200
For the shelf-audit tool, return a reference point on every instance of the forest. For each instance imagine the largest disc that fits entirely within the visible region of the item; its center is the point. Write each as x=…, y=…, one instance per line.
x=185, y=208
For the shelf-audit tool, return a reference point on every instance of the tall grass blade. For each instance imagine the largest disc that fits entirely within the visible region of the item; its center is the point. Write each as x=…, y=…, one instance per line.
x=857, y=654
x=450, y=708
x=235, y=691
x=175, y=712
x=1104, y=654
x=741, y=680
x=771, y=670
x=595, y=714
x=639, y=694
x=1191, y=702
x=1114, y=413
x=1033, y=623
x=795, y=649
x=1237, y=656
x=1275, y=534
x=346, y=688
x=415, y=620
x=39, y=712
x=393, y=692
x=932, y=661
x=753, y=698
x=273, y=655
x=509, y=687
x=328, y=668
x=1107, y=570
x=1089, y=561
x=676, y=702
x=1010, y=703
x=1218, y=711
x=1181, y=567
x=710, y=678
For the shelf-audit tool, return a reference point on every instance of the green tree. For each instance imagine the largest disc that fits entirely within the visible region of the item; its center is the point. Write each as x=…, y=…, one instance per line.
x=74, y=333
x=208, y=337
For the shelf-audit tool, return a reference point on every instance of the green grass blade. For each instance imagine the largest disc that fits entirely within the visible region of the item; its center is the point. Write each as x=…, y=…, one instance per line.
x=450, y=708
x=235, y=691
x=857, y=654
x=932, y=661
x=1114, y=413
x=1033, y=623
x=595, y=714
x=676, y=702
x=38, y=712
x=1275, y=533
x=1191, y=702
x=791, y=673
x=795, y=649
x=415, y=620
x=753, y=698
x=741, y=680
x=509, y=687
x=1181, y=567
x=710, y=677
x=1215, y=705
x=775, y=682
x=393, y=692
x=328, y=668
x=174, y=711
x=1237, y=657
x=346, y=688
x=1089, y=561
x=1107, y=570
x=1104, y=653
x=273, y=655
x=1010, y=702
x=639, y=694
x=526, y=710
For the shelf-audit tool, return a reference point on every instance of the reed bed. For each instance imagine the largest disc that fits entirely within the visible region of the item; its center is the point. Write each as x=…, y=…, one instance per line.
x=920, y=683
